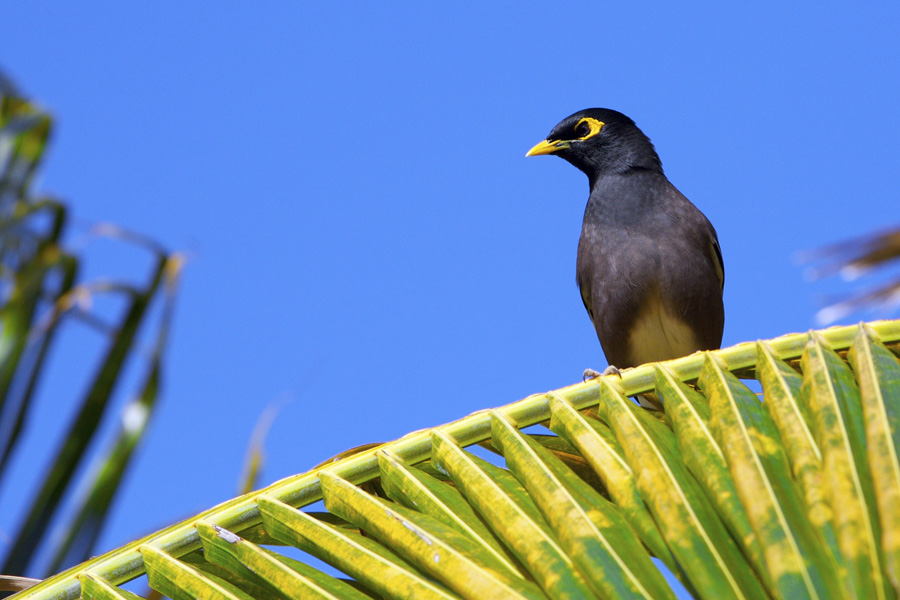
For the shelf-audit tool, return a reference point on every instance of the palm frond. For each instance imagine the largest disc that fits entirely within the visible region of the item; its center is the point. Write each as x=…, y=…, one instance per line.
x=871, y=254
x=41, y=287
x=794, y=496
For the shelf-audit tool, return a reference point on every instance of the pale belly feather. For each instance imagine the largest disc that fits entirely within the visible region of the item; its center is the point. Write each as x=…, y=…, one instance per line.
x=659, y=335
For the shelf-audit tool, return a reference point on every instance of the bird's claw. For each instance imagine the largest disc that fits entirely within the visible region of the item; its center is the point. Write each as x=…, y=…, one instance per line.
x=592, y=374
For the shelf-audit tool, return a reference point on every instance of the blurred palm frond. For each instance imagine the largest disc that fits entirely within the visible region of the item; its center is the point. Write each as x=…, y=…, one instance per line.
x=42, y=287
x=871, y=255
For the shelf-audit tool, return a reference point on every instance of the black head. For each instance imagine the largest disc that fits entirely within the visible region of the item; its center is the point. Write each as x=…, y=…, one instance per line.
x=600, y=141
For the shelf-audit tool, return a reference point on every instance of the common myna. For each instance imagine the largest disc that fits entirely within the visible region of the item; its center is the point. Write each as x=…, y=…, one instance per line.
x=649, y=265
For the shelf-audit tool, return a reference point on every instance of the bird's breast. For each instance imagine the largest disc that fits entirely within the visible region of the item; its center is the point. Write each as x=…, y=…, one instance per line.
x=658, y=334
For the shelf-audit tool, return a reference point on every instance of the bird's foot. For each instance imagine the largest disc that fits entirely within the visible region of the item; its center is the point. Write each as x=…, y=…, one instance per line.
x=592, y=374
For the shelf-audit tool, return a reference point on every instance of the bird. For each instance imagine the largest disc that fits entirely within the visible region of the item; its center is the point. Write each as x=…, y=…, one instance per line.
x=649, y=265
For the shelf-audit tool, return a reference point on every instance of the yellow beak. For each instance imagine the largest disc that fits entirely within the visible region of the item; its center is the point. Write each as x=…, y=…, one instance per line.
x=548, y=147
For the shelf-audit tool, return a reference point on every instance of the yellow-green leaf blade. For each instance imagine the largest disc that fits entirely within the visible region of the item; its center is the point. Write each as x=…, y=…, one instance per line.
x=688, y=412
x=521, y=530
x=781, y=387
x=797, y=567
x=878, y=373
x=415, y=489
x=265, y=568
x=601, y=544
x=598, y=446
x=831, y=393
x=689, y=525
x=179, y=581
x=363, y=559
x=96, y=588
x=453, y=559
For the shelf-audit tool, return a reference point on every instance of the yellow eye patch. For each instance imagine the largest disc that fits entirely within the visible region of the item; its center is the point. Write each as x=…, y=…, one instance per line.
x=593, y=124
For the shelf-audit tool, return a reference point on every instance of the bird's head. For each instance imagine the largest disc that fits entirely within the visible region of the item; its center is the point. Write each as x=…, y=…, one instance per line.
x=600, y=141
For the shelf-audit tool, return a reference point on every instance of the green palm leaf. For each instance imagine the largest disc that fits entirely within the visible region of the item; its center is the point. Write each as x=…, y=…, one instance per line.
x=834, y=398
x=791, y=496
x=878, y=373
x=40, y=289
x=796, y=565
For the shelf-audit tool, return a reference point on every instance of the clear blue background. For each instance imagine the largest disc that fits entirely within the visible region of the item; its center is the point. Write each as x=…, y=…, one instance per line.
x=371, y=250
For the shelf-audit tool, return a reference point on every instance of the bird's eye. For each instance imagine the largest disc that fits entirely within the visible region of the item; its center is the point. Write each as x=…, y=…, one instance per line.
x=582, y=130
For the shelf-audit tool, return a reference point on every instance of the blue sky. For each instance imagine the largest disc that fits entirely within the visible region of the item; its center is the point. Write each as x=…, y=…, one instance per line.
x=370, y=246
